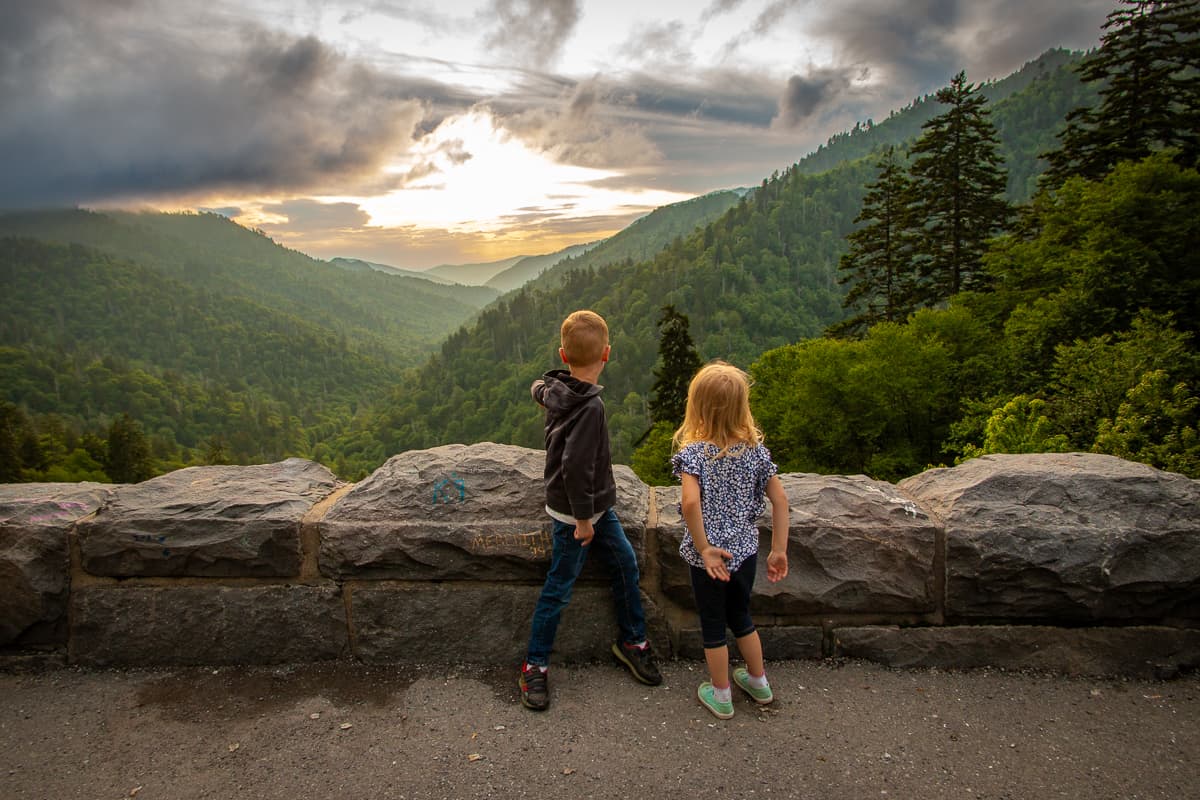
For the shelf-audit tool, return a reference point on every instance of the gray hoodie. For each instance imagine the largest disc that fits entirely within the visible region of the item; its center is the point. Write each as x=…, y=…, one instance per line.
x=579, y=478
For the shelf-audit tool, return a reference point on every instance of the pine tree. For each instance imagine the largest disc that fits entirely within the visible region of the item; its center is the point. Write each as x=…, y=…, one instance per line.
x=678, y=362
x=879, y=260
x=1148, y=64
x=958, y=190
x=128, y=459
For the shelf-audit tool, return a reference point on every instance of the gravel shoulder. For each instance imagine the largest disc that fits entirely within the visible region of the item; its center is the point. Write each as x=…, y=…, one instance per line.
x=836, y=730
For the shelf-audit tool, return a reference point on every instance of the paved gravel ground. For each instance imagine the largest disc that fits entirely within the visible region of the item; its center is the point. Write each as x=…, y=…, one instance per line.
x=343, y=730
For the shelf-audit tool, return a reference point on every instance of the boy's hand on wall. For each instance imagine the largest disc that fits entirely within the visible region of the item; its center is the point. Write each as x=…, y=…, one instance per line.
x=584, y=532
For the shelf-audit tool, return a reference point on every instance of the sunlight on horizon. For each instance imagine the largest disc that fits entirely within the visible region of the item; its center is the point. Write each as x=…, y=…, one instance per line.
x=469, y=176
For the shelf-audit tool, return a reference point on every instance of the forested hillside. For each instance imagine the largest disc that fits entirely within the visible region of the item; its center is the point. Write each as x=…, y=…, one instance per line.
x=529, y=267
x=396, y=315
x=762, y=275
x=648, y=235
x=1074, y=329
x=1026, y=108
x=218, y=344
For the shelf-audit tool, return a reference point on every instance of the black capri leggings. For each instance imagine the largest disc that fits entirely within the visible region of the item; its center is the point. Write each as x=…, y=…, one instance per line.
x=724, y=605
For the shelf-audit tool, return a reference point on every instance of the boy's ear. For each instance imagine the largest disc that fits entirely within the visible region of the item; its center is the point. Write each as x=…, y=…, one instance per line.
x=563, y=355
x=607, y=348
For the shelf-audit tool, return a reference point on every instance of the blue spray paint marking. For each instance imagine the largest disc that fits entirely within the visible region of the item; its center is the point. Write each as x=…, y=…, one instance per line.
x=150, y=538
x=444, y=489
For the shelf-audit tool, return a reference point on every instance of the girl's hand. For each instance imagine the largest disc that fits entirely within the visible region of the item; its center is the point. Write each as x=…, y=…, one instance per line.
x=776, y=566
x=714, y=562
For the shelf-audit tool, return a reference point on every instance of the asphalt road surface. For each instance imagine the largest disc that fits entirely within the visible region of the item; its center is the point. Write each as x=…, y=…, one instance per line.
x=836, y=730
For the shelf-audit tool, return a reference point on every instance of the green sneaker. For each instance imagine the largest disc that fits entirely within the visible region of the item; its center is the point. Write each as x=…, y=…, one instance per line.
x=707, y=695
x=742, y=678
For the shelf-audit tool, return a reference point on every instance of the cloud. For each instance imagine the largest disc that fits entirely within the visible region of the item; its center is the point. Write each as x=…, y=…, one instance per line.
x=923, y=43
x=533, y=31
x=584, y=129
x=806, y=95
x=659, y=42
x=718, y=7
x=127, y=104
x=764, y=23
x=314, y=216
x=226, y=211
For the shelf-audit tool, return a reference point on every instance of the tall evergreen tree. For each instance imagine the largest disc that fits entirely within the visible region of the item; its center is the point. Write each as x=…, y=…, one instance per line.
x=958, y=190
x=128, y=458
x=879, y=261
x=1148, y=64
x=677, y=363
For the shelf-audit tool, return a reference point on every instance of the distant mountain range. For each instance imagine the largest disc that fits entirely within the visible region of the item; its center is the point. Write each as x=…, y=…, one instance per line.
x=502, y=276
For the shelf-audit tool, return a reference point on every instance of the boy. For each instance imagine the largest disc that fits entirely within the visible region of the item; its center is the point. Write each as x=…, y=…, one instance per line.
x=580, y=493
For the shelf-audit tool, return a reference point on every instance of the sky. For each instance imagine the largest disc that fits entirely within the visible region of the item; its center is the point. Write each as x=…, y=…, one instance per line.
x=425, y=133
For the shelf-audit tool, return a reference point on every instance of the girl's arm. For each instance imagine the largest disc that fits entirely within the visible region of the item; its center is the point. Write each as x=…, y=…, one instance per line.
x=777, y=565
x=714, y=557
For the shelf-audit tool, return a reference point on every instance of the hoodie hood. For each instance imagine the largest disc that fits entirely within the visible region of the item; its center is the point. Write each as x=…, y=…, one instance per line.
x=563, y=392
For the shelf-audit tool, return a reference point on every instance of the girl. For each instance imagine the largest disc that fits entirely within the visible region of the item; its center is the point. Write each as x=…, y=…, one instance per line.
x=726, y=470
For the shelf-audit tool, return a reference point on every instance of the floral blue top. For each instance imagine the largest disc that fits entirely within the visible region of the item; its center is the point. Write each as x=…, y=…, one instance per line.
x=732, y=496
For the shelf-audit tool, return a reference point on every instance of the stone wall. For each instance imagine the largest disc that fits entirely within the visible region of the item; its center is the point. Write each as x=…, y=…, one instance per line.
x=1076, y=563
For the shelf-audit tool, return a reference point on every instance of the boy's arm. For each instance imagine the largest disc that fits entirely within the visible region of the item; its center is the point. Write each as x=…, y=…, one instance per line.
x=714, y=557
x=777, y=564
x=538, y=390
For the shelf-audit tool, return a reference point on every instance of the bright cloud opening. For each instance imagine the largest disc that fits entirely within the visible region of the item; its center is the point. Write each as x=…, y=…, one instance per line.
x=470, y=176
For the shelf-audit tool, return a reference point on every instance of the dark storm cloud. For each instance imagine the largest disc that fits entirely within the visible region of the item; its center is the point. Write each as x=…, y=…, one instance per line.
x=533, y=31
x=903, y=40
x=102, y=106
x=922, y=43
x=806, y=95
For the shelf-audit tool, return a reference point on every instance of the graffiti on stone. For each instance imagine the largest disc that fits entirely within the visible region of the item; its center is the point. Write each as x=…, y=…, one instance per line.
x=537, y=543
x=152, y=539
x=449, y=490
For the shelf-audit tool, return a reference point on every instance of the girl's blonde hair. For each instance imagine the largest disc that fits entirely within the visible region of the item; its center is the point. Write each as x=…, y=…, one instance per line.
x=718, y=410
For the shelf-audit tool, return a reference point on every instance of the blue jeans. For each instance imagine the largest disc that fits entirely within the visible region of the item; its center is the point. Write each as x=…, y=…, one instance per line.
x=566, y=562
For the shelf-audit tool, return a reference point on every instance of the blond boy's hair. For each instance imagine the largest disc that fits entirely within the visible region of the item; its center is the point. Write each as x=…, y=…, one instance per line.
x=584, y=337
x=718, y=410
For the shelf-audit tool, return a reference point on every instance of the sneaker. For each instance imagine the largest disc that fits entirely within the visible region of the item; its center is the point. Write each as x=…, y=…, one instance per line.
x=641, y=662
x=535, y=692
x=741, y=676
x=707, y=696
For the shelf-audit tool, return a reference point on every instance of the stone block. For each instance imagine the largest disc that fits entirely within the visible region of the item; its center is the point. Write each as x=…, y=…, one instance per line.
x=207, y=522
x=855, y=545
x=1074, y=537
x=1151, y=652
x=123, y=625
x=479, y=623
x=35, y=520
x=457, y=512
